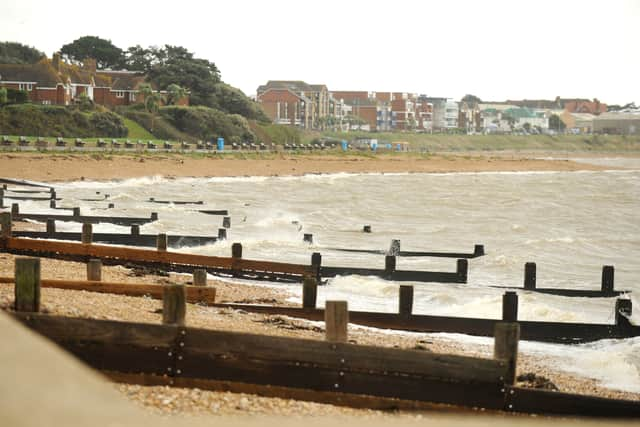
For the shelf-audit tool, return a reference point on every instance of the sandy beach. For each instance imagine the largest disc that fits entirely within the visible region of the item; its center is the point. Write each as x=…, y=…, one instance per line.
x=199, y=402
x=71, y=167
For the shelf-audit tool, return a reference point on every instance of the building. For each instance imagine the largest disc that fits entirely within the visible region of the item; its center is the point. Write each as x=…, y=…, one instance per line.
x=54, y=82
x=311, y=107
x=617, y=123
x=577, y=122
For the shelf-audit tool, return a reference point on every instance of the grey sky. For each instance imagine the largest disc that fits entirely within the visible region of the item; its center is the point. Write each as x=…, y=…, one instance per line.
x=493, y=49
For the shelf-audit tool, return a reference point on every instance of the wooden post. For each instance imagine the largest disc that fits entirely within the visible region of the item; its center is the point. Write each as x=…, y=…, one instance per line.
x=506, y=337
x=389, y=264
x=510, y=307
x=161, y=242
x=135, y=230
x=111, y=206
x=222, y=234
x=623, y=309
x=316, y=263
x=154, y=216
x=530, y=275
x=15, y=209
x=5, y=225
x=94, y=270
x=87, y=233
x=394, y=248
x=52, y=194
x=27, y=284
x=478, y=250
x=52, y=204
x=309, y=292
x=307, y=238
x=607, y=279
x=405, y=304
x=366, y=228
x=174, y=307
x=336, y=318
x=200, y=277
x=236, y=250
x=462, y=269
x=226, y=222
x=51, y=227
x=76, y=211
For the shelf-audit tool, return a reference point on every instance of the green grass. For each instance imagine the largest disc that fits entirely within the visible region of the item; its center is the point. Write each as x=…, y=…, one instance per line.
x=136, y=131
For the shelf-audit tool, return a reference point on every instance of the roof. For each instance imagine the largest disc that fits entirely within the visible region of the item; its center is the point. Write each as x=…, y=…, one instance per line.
x=120, y=80
x=617, y=116
x=42, y=72
x=293, y=85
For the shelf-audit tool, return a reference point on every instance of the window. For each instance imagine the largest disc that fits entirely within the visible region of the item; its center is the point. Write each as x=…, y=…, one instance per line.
x=46, y=102
x=119, y=94
x=25, y=86
x=132, y=96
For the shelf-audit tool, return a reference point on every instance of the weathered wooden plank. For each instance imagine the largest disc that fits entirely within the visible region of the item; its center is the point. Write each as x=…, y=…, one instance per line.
x=107, y=345
x=279, y=267
x=195, y=294
x=552, y=402
x=397, y=275
x=222, y=344
x=84, y=219
x=102, y=251
x=560, y=332
x=147, y=240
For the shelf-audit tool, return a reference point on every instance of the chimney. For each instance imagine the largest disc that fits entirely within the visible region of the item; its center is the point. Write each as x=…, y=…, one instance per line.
x=56, y=61
x=89, y=64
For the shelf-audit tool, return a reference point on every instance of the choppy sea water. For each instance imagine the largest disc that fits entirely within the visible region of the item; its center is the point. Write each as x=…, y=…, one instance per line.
x=569, y=223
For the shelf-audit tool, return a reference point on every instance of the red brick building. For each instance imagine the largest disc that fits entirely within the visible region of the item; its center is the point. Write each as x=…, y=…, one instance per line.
x=53, y=81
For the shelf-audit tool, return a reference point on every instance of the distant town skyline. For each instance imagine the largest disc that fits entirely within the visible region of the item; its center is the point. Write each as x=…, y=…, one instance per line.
x=496, y=50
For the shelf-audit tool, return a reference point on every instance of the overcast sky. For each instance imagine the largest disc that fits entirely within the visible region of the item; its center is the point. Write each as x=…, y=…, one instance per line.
x=493, y=49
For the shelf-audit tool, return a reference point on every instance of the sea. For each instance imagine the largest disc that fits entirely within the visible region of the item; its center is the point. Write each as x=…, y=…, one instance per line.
x=569, y=223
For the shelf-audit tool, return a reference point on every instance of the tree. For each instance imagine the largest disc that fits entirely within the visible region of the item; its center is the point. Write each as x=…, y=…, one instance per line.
x=556, y=123
x=527, y=127
x=175, y=64
x=175, y=93
x=3, y=95
x=105, y=53
x=152, y=101
x=471, y=100
x=17, y=53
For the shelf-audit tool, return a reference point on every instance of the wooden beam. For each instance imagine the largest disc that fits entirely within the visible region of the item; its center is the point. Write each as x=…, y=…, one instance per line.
x=194, y=294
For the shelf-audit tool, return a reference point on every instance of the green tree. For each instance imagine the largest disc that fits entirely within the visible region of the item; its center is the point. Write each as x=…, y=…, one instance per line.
x=527, y=127
x=175, y=64
x=175, y=93
x=556, y=123
x=3, y=95
x=103, y=51
x=152, y=100
x=471, y=100
x=17, y=53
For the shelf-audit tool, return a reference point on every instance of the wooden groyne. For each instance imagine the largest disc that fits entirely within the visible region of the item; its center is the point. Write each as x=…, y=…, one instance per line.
x=332, y=370
x=394, y=250
x=142, y=240
x=606, y=285
x=76, y=217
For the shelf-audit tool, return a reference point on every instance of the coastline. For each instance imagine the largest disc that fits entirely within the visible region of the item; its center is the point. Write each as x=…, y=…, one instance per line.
x=73, y=167
x=177, y=401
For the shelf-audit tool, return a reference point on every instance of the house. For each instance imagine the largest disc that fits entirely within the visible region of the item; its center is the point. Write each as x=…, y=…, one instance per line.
x=310, y=109
x=54, y=82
